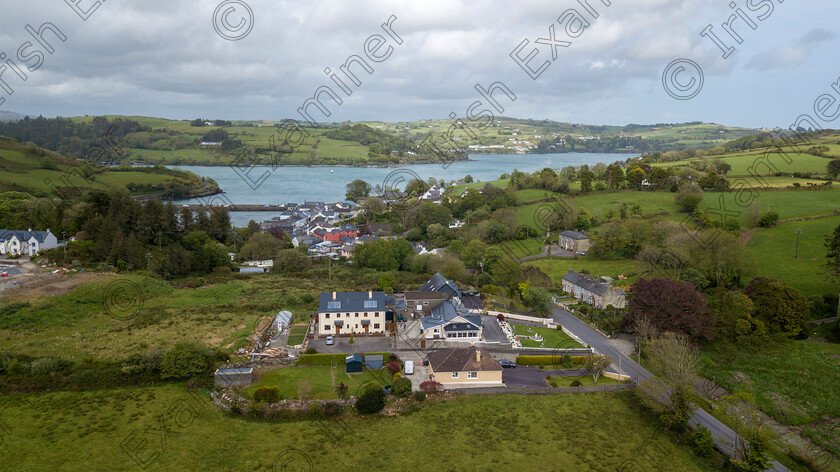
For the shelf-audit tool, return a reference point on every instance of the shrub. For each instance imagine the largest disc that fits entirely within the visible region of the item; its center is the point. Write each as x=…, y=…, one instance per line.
x=183, y=361
x=702, y=442
x=419, y=395
x=341, y=389
x=307, y=298
x=566, y=361
x=47, y=365
x=267, y=394
x=559, y=327
x=352, y=340
x=310, y=350
x=547, y=377
x=768, y=219
x=576, y=383
x=500, y=317
x=401, y=387
x=372, y=400
x=393, y=357
x=431, y=386
x=330, y=410
x=547, y=360
x=393, y=367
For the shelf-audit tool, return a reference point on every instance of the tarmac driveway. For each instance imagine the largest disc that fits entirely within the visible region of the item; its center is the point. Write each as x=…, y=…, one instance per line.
x=525, y=376
x=361, y=345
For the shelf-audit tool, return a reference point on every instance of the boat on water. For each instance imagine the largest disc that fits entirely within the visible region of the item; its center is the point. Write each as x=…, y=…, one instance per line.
x=332, y=171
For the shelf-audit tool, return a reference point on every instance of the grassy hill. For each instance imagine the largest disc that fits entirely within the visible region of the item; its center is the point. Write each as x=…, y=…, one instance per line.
x=28, y=168
x=163, y=141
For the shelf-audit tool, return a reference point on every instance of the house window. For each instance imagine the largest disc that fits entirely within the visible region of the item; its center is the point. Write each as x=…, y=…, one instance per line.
x=370, y=304
x=326, y=316
x=327, y=328
x=376, y=326
x=366, y=314
x=357, y=315
x=472, y=375
x=454, y=375
x=333, y=305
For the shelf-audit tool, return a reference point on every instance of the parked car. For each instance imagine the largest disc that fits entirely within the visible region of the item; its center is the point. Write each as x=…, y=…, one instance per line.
x=507, y=364
x=408, y=368
x=330, y=340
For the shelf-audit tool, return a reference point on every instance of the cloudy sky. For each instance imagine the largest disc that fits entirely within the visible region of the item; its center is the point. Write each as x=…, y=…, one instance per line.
x=171, y=59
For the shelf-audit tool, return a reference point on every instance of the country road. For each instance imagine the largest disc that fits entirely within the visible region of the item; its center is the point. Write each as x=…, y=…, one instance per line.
x=725, y=438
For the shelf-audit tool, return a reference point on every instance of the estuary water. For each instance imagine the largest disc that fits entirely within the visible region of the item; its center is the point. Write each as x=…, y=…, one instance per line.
x=263, y=185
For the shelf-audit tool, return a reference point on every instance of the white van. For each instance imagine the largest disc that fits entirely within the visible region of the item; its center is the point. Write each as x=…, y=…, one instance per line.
x=408, y=368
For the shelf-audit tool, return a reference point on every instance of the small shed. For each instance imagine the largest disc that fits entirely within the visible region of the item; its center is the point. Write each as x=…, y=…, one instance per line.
x=231, y=377
x=353, y=363
x=374, y=361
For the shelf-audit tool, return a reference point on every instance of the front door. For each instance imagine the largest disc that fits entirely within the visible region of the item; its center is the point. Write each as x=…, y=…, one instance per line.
x=337, y=330
x=367, y=327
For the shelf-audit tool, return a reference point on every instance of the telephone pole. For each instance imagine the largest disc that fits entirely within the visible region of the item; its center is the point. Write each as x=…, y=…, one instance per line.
x=796, y=254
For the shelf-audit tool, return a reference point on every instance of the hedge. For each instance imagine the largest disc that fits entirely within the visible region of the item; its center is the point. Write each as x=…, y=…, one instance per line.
x=326, y=359
x=548, y=360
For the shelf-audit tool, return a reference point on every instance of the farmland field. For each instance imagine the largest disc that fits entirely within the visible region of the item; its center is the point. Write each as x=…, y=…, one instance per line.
x=557, y=267
x=99, y=430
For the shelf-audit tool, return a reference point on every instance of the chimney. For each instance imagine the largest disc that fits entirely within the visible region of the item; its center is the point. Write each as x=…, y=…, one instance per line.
x=333, y=295
x=370, y=293
x=478, y=355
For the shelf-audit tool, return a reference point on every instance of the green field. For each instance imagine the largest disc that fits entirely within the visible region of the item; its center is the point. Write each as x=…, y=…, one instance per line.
x=774, y=249
x=222, y=312
x=793, y=381
x=585, y=380
x=93, y=431
x=296, y=334
x=553, y=337
x=557, y=267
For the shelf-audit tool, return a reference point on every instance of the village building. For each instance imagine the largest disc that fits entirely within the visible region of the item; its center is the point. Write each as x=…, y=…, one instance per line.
x=589, y=290
x=351, y=313
x=574, y=241
x=469, y=366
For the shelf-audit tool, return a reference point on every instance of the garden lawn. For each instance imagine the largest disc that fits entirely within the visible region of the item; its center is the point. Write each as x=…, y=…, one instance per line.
x=287, y=380
x=553, y=337
x=102, y=430
x=296, y=334
x=585, y=381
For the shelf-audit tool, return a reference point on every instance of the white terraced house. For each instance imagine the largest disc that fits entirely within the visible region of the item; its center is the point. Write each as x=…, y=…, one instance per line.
x=25, y=242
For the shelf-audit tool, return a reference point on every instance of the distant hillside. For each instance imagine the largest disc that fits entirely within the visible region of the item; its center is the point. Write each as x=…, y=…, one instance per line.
x=10, y=116
x=43, y=173
x=218, y=142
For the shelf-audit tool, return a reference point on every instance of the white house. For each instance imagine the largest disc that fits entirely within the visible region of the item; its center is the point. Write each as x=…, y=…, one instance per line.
x=20, y=242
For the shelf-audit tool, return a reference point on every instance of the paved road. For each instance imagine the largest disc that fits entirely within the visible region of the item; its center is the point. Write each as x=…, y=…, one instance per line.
x=724, y=436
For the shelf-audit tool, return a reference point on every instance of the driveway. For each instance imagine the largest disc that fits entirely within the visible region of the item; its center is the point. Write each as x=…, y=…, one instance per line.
x=524, y=376
x=361, y=345
x=492, y=332
x=724, y=436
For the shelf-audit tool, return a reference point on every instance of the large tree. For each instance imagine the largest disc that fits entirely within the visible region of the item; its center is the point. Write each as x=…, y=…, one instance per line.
x=671, y=306
x=357, y=188
x=781, y=307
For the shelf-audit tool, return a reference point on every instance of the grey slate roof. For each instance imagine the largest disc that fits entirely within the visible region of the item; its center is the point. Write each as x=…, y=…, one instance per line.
x=23, y=235
x=574, y=235
x=351, y=301
x=439, y=283
x=448, y=311
x=586, y=282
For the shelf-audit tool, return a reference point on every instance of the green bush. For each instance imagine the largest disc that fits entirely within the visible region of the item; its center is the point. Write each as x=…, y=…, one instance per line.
x=566, y=361
x=702, y=442
x=310, y=350
x=183, y=361
x=576, y=383
x=401, y=387
x=419, y=395
x=548, y=360
x=267, y=394
x=372, y=400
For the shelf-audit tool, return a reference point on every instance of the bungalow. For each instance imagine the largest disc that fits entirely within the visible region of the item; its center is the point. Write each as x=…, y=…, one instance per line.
x=451, y=321
x=348, y=313
x=470, y=366
x=594, y=292
x=574, y=241
x=19, y=242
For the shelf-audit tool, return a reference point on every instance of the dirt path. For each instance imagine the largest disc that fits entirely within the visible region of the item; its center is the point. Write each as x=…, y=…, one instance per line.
x=36, y=285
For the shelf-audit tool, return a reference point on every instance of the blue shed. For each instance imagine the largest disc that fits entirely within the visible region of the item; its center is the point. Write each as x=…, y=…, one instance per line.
x=374, y=361
x=353, y=363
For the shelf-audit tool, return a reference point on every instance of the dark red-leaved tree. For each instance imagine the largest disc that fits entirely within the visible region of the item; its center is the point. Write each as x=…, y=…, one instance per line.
x=671, y=306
